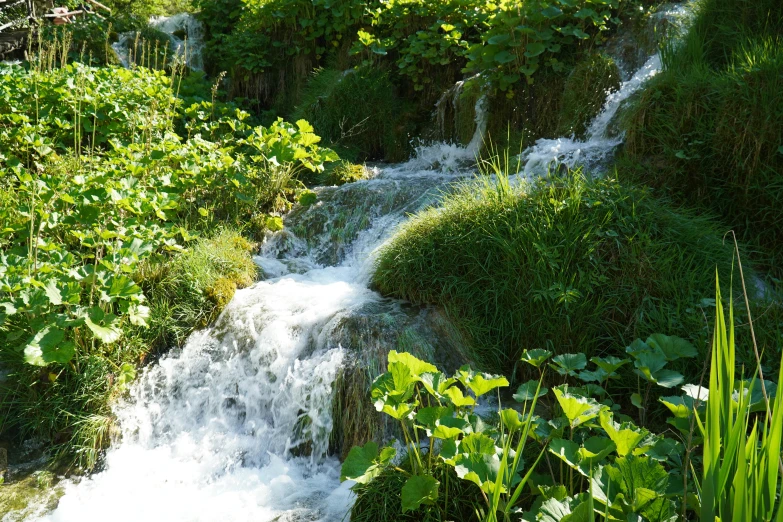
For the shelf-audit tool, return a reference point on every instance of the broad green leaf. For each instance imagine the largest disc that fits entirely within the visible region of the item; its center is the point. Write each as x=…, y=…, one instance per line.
x=482, y=383
x=681, y=407
x=479, y=468
x=418, y=490
x=428, y=417
x=138, y=315
x=109, y=331
x=625, y=436
x=127, y=375
x=504, y=57
x=609, y=364
x=49, y=346
x=477, y=443
x=527, y=392
x=565, y=450
x=673, y=347
x=53, y=293
x=534, y=49
x=457, y=398
x=364, y=463
x=415, y=365
x=597, y=375
x=569, y=363
x=535, y=357
x=577, y=409
x=510, y=419
x=436, y=383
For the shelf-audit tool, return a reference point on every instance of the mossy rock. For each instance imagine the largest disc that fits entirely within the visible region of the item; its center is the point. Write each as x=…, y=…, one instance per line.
x=585, y=93
x=29, y=496
x=357, y=112
x=342, y=172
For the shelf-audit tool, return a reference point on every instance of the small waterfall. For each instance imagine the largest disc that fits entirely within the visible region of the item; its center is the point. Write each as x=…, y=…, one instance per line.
x=185, y=35
x=601, y=142
x=235, y=426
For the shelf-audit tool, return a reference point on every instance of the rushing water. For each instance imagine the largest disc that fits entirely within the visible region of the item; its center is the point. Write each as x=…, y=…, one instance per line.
x=186, y=39
x=598, y=148
x=235, y=426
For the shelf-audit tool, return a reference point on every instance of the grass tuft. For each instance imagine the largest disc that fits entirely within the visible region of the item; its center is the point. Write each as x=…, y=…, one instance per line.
x=571, y=265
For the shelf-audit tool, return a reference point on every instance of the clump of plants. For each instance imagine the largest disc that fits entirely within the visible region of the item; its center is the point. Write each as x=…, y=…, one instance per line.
x=100, y=264
x=357, y=112
x=564, y=264
x=572, y=454
x=709, y=128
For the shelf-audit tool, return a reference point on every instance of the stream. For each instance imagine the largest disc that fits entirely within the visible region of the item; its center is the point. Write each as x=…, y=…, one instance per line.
x=235, y=426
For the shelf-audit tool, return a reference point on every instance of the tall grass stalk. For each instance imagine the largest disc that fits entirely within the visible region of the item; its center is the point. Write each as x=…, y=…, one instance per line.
x=741, y=452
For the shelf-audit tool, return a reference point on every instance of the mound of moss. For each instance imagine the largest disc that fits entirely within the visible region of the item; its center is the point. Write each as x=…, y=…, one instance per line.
x=585, y=93
x=568, y=264
x=357, y=112
x=711, y=124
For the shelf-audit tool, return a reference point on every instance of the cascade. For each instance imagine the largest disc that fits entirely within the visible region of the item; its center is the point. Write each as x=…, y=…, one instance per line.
x=186, y=39
x=236, y=425
x=598, y=148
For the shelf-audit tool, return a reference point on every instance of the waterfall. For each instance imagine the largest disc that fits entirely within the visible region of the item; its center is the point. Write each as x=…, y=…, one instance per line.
x=598, y=148
x=235, y=426
x=185, y=34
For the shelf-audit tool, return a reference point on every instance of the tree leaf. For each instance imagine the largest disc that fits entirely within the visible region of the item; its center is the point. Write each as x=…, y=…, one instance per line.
x=418, y=490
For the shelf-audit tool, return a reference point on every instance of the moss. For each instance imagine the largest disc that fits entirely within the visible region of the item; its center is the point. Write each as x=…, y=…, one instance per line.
x=357, y=112
x=29, y=495
x=709, y=128
x=585, y=92
x=570, y=265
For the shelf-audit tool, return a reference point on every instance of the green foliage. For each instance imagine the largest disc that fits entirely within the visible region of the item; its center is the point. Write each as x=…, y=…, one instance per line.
x=585, y=93
x=100, y=198
x=425, y=401
x=564, y=264
x=357, y=112
x=709, y=128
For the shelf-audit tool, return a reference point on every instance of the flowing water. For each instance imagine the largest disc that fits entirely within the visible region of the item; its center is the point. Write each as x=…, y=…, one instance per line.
x=595, y=152
x=185, y=34
x=235, y=426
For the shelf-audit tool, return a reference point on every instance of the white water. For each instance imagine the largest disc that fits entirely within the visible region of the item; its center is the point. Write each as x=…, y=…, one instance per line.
x=208, y=432
x=600, y=144
x=189, y=48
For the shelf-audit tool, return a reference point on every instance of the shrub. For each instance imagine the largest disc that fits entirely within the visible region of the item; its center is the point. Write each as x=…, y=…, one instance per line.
x=711, y=124
x=564, y=264
x=357, y=112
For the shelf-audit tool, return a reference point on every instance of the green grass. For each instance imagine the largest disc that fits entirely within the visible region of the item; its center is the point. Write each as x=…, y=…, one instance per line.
x=585, y=93
x=709, y=128
x=571, y=265
x=357, y=112
x=70, y=406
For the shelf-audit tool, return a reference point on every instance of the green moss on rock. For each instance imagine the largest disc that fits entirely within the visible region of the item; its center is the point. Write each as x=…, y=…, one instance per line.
x=585, y=92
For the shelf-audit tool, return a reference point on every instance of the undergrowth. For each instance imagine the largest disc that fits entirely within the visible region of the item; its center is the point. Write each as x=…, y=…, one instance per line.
x=709, y=128
x=563, y=264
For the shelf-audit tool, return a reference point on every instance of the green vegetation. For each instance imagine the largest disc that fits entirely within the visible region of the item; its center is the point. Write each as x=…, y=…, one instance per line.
x=590, y=461
x=709, y=128
x=403, y=55
x=101, y=263
x=585, y=93
x=565, y=264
